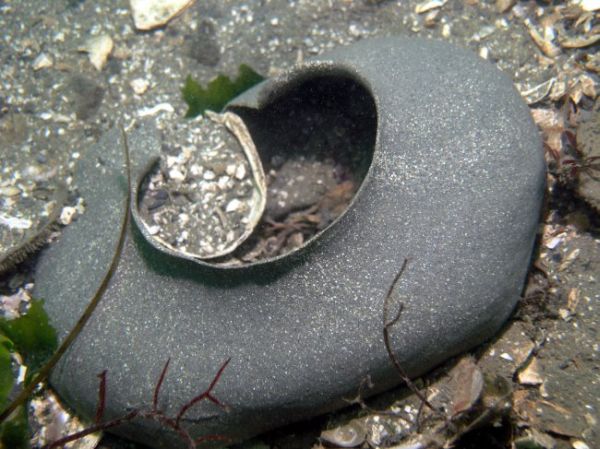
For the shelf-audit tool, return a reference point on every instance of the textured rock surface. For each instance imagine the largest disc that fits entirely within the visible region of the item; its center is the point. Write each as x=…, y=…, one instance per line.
x=455, y=184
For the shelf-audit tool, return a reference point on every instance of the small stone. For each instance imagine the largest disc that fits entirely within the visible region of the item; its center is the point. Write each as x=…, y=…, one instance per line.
x=564, y=314
x=149, y=14
x=446, y=30
x=67, y=215
x=240, y=172
x=176, y=174
x=10, y=191
x=139, y=86
x=196, y=170
x=184, y=219
x=98, y=49
x=171, y=161
x=230, y=169
x=233, y=206
x=223, y=182
x=209, y=175
x=15, y=222
x=43, y=61
x=59, y=37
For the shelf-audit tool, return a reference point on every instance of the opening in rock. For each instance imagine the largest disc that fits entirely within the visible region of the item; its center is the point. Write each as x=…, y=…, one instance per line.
x=315, y=143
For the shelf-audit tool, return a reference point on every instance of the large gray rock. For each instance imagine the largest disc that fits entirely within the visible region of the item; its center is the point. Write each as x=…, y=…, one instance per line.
x=455, y=184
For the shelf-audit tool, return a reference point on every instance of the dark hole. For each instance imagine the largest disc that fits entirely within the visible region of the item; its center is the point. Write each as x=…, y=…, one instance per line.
x=316, y=144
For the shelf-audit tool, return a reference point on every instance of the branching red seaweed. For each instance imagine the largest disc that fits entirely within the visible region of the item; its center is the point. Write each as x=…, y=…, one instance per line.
x=153, y=414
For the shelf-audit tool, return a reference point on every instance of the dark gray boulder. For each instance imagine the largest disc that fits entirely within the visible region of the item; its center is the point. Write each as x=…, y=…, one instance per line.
x=455, y=185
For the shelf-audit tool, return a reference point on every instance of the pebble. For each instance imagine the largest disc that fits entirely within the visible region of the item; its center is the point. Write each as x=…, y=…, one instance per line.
x=240, y=172
x=230, y=169
x=67, y=215
x=43, y=61
x=223, y=182
x=233, y=205
x=139, y=86
x=15, y=222
x=10, y=191
x=176, y=175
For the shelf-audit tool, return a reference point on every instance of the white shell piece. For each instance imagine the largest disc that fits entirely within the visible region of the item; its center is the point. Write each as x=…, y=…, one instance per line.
x=149, y=14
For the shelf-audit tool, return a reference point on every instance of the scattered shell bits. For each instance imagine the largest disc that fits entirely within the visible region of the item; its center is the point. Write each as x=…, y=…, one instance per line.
x=192, y=207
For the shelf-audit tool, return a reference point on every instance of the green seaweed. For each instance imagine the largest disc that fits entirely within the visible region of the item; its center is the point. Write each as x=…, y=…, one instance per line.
x=6, y=375
x=30, y=335
x=14, y=432
x=218, y=92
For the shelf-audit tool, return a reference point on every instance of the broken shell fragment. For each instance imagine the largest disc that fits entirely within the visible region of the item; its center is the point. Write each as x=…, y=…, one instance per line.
x=429, y=5
x=149, y=14
x=188, y=206
x=98, y=49
x=352, y=434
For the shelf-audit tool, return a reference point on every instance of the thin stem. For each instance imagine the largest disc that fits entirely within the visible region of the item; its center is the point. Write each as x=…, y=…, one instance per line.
x=92, y=429
x=44, y=372
x=387, y=324
x=101, y=397
x=204, y=395
x=159, y=384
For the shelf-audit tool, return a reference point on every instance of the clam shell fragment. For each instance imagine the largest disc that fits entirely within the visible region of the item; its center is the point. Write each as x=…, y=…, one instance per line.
x=203, y=203
x=352, y=434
